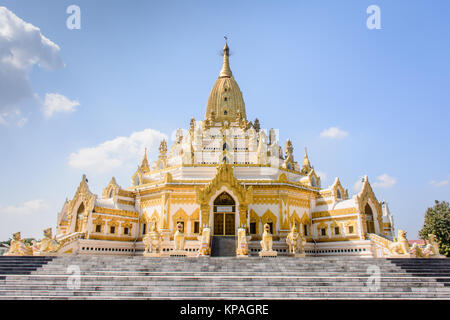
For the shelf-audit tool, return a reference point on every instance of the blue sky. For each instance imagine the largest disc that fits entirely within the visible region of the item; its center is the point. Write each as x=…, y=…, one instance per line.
x=303, y=67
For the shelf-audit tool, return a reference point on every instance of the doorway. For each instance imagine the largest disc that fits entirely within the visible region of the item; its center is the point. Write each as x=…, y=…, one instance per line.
x=224, y=215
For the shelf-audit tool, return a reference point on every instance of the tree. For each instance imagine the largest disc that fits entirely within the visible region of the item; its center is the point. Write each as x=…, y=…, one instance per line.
x=437, y=222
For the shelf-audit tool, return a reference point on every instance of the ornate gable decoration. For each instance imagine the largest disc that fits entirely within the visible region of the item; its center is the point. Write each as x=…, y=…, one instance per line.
x=138, y=175
x=314, y=179
x=364, y=196
x=367, y=194
x=112, y=185
x=86, y=196
x=224, y=177
x=338, y=189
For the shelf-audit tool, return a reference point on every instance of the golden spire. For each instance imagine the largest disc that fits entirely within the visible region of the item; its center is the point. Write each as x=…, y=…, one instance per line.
x=225, y=101
x=226, y=71
x=306, y=165
x=144, y=164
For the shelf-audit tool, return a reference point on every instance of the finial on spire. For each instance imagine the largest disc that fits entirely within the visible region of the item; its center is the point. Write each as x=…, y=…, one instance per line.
x=306, y=164
x=144, y=164
x=226, y=71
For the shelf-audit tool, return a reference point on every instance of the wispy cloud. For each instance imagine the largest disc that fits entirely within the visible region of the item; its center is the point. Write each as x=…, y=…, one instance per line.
x=26, y=208
x=22, y=122
x=385, y=181
x=357, y=186
x=114, y=153
x=323, y=175
x=334, y=133
x=22, y=46
x=55, y=102
x=439, y=183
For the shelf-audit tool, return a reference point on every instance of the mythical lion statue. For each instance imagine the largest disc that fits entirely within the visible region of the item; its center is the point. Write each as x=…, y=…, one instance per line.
x=205, y=249
x=266, y=242
x=18, y=247
x=47, y=244
x=401, y=246
x=242, y=247
x=152, y=240
x=433, y=246
x=178, y=238
x=294, y=241
x=418, y=252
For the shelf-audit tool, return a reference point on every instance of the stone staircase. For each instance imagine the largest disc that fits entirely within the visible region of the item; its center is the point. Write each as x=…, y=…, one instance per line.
x=434, y=268
x=21, y=265
x=137, y=277
x=223, y=246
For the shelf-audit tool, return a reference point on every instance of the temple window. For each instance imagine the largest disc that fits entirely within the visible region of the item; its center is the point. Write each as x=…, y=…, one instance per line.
x=271, y=226
x=323, y=232
x=126, y=230
x=112, y=229
x=305, y=230
x=252, y=227
x=98, y=228
x=338, y=194
x=225, y=112
x=336, y=231
x=144, y=228
x=350, y=229
x=196, y=226
x=225, y=99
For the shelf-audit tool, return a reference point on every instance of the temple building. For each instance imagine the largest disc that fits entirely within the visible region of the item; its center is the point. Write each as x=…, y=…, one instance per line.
x=225, y=173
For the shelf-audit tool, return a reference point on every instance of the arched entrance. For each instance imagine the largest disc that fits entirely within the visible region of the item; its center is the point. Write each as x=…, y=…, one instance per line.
x=224, y=215
x=369, y=219
x=79, y=218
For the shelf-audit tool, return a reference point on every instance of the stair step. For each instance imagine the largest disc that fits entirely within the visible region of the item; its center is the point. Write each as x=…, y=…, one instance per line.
x=137, y=277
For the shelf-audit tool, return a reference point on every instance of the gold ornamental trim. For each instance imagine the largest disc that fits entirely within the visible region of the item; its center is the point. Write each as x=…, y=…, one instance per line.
x=128, y=203
x=333, y=213
x=321, y=203
x=111, y=238
x=117, y=212
x=335, y=239
x=125, y=193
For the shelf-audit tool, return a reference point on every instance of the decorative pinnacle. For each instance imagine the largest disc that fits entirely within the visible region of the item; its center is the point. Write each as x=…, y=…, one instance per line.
x=144, y=165
x=306, y=160
x=226, y=71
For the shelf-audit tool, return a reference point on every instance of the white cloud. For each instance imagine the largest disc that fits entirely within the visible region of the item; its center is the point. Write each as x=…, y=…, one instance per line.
x=22, y=46
x=22, y=122
x=385, y=181
x=28, y=207
x=322, y=175
x=334, y=133
x=115, y=153
x=357, y=186
x=55, y=102
x=439, y=183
